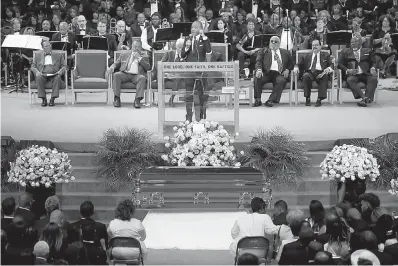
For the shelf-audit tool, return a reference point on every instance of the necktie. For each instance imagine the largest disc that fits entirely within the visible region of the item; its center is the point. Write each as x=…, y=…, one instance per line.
x=278, y=60
x=357, y=56
x=313, y=66
x=194, y=46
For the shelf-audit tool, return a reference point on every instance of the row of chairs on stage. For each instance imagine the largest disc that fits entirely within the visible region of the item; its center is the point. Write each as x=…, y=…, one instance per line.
x=88, y=76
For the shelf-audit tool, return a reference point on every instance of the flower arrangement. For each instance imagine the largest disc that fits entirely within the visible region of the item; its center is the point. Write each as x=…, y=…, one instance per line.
x=37, y=166
x=203, y=143
x=349, y=162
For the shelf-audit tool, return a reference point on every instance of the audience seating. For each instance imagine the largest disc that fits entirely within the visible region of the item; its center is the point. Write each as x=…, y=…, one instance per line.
x=32, y=87
x=125, y=250
x=257, y=246
x=299, y=84
x=89, y=73
x=342, y=85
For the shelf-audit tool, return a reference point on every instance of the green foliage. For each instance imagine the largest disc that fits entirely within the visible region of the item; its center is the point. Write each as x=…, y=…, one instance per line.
x=123, y=154
x=385, y=151
x=274, y=152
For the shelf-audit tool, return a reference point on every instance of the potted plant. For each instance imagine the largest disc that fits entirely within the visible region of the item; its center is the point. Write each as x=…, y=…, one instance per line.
x=39, y=169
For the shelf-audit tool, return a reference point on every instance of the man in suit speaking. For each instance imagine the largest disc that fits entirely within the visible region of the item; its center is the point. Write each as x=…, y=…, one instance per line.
x=48, y=67
x=272, y=65
x=196, y=48
x=358, y=65
x=132, y=67
x=315, y=66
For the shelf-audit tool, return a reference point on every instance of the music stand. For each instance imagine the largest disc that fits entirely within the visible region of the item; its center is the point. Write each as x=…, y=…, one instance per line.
x=19, y=42
x=262, y=40
x=62, y=46
x=216, y=36
x=166, y=35
x=79, y=39
x=48, y=34
x=183, y=28
x=95, y=43
x=339, y=37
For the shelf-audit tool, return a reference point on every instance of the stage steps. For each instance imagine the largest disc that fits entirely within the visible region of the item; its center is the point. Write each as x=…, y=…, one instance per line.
x=87, y=187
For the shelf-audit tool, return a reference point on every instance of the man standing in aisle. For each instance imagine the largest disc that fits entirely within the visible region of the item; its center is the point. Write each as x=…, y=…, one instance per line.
x=196, y=48
x=132, y=67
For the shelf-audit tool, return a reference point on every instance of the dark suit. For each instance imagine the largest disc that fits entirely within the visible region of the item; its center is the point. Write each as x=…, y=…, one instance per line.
x=264, y=62
x=28, y=216
x=139, y=79
x=89, y=31
x=91, y=254
x=309, y=75
x=136, y=30
x=40, y=224
x=5, y=223
x=347, y=61
x=294, y=254
x=384, y=258
x=128, y=41
x=100, y=230
x=199, y=51
x=393, y=251
x=38, y=66
x=40, y=261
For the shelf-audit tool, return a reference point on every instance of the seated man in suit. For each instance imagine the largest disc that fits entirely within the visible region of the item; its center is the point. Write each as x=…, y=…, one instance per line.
x=272, y=65
x=48, y=66
x=132, y=67
x=64, y=35
x=315, y=66
x=8, y=209
x=358, y=65
x=138, y=27
x=82, y=28
x=112, y=46
x=86, y=212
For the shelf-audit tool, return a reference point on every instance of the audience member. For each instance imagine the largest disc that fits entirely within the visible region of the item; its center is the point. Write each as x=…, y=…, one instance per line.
x=369, y=202
x=90, y=253
x=364, y=257
x=25, y=204
x=86, y=213
x=338, y=244
x=41, y=250
x=368, y=241
x=280, y=213
x=125, y=225
x=323, y=258
x=248, y=259
x=257, y=223
x=313, y=248
x=51, y=204
x=7, y=209
x=52, y=234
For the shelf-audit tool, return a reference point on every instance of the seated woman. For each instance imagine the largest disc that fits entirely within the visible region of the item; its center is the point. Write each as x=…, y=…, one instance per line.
x=337, y=19
x=386, y=26
x=317, y=217
x=124, y=225
x=338, y=244
x=298, y=31
x=385, y=57
x=325, y=16
x=319, y=33
x=222, y=27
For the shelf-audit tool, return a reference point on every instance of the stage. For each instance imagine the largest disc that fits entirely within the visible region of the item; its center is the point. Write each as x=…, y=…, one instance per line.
x=85, y=122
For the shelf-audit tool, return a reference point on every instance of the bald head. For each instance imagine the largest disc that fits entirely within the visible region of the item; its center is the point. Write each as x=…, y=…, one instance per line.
x=25, y=200
x=41, y=249
x=120, y=26
x=57, y=217
x=323, y=258
x=274, y=43
x=81, y=21
x=179, y=44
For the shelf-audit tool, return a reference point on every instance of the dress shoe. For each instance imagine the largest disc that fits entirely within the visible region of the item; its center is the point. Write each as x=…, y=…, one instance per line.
x=269, y=103
x=367, y=100
x=318, y=103
x=51, y=102
x=362, y=103
x=307, y=101
x=137, y=104
x=44, y=102
x=257, y=103
x=116, y=102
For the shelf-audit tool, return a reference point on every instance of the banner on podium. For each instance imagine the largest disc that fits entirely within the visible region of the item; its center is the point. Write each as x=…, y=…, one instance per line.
x=201, y=66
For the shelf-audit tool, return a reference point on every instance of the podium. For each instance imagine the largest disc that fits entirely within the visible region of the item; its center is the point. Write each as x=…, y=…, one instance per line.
x=201, y=85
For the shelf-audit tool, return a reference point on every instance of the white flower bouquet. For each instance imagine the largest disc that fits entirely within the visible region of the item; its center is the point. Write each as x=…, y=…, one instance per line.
x=37, y=166
x=394, y=187
x=203, y=143
x=349, y=162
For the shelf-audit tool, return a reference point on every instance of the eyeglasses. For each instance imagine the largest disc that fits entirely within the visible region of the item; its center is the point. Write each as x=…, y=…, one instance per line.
x=274, y=41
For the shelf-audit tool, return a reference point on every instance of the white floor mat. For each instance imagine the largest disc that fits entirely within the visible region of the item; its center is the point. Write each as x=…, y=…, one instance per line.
x=199, y=230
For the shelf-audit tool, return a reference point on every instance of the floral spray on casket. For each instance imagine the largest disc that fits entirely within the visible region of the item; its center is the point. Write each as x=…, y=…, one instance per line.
x=203, y=143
